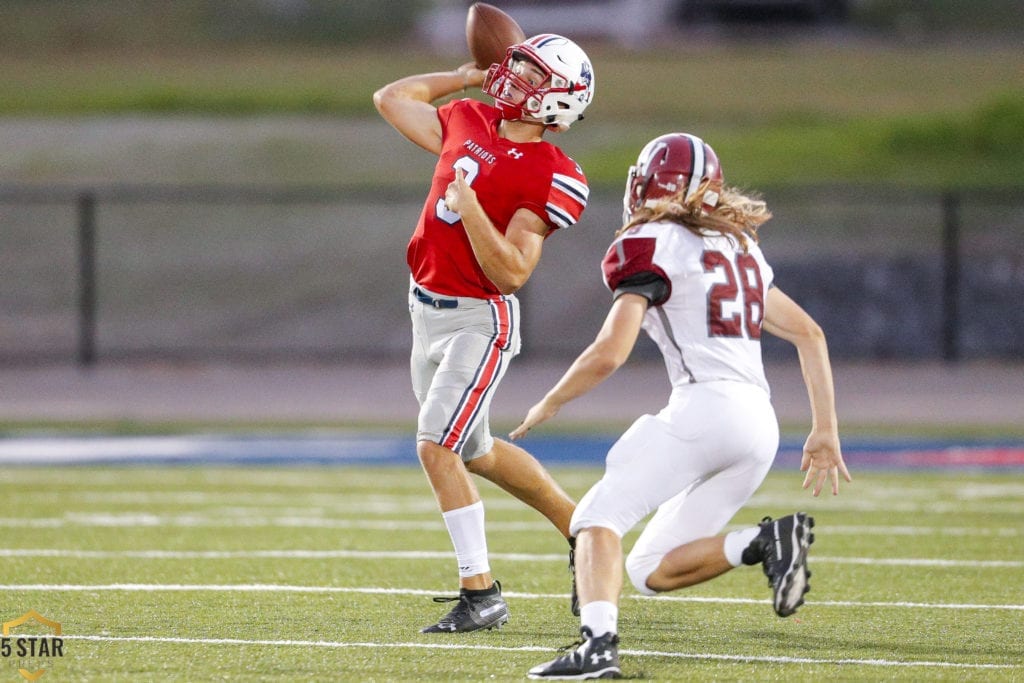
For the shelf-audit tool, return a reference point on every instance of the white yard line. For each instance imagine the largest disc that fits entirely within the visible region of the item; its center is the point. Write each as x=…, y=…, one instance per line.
x=437, y=555
x=243, y=518
x=535, y=648
x=122, y=520
x=280, y=588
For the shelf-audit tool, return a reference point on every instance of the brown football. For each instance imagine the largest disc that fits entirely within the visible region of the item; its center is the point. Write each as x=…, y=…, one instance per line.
x=489, y=33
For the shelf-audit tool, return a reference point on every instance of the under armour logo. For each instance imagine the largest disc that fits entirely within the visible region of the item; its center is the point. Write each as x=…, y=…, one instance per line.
x=606, y=655
x=515, y=153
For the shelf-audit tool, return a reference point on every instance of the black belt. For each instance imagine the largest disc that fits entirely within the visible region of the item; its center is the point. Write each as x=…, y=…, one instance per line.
x=431, y=301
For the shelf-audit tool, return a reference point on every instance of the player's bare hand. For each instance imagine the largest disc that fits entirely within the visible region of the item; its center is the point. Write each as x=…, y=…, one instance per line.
x=540, y=412
x=823, y=460
x=472, y=77
x=458, y=194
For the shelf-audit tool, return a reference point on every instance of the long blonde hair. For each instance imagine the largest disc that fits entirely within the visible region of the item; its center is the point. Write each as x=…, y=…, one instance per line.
x=736, y=215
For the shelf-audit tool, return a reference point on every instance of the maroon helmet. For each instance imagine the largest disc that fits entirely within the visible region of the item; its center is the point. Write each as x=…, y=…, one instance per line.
x=668, y=164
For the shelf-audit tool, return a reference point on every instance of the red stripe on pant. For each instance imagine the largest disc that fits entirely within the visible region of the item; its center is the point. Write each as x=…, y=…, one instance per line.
x=470, y=405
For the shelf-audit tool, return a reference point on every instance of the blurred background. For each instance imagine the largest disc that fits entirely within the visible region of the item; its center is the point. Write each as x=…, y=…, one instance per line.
x=199, y=180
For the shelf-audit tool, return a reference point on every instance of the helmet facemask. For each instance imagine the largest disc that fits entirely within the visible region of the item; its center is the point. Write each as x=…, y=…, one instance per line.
x=502, y=82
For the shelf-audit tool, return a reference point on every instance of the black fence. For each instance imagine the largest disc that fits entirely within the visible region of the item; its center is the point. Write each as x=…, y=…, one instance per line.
x=206, y=273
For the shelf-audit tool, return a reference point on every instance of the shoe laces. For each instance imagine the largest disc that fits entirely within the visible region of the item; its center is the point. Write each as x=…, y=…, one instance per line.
x=585, y=635
x=572, y=647
x=450, y=598
x=463, y=597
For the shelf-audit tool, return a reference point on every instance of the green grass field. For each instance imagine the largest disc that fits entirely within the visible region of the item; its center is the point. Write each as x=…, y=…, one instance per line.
x=260, y=574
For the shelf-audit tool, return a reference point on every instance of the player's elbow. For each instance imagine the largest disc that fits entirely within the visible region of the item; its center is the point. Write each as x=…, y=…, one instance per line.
x=604, y=364
x=509, y=280
x=809, y=335
x=606, y=356
x=383, y=99
x=390, y=99
x=812, y=331
x=512, y=285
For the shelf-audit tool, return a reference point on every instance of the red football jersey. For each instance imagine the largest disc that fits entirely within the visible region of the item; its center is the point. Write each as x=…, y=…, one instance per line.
x=506, y=176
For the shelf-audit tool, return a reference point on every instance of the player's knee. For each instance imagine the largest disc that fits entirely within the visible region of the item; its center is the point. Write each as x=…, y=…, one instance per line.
x=433, y=455
x=597, y=509
x=638, y=569
x=582, y=519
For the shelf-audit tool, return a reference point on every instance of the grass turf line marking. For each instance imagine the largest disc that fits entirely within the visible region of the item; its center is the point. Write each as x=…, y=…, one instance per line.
x=437, y=555
x=280, y=588
x=142, y=520
x=246, y=520
x=534, y=648
x=383, y=504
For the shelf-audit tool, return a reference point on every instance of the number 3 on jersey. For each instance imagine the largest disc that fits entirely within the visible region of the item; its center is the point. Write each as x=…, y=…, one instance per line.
x=469, y=166
x=743, y=275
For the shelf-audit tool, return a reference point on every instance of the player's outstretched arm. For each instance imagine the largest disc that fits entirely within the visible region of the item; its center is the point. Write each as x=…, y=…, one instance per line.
x=822, y=458
x=598, y=361
x=406, y=103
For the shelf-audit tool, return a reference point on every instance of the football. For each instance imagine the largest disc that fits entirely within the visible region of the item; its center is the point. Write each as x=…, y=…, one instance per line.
x=489, y=33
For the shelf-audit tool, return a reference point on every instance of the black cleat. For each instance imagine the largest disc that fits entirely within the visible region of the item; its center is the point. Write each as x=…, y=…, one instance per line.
x=781, y=547
x=590, y=658
x=473, y=612
x=574, y=598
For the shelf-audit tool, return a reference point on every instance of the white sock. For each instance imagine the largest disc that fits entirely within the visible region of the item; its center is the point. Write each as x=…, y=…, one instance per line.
x=736, y=542
x=600, y=617
x=466, y=528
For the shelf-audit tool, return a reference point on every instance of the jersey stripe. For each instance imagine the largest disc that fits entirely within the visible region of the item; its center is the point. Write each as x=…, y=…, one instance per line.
x=486, y=378
x=559, y=217
x=572, y=187
x=567, y=200
x=663, y=317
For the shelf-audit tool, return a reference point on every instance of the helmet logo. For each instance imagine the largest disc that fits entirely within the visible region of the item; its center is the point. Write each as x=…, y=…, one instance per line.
x=584, y=82
x=586, y=76
x=648, y=157
x=669, y=166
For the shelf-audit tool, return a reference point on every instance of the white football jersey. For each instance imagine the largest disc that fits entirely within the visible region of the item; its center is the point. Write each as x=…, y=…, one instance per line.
x=708, y=321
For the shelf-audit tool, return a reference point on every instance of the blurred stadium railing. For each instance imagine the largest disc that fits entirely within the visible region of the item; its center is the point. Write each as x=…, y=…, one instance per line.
x=144, y=273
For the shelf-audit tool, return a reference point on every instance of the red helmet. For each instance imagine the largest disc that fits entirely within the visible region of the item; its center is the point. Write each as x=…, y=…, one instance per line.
x=668, y=164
